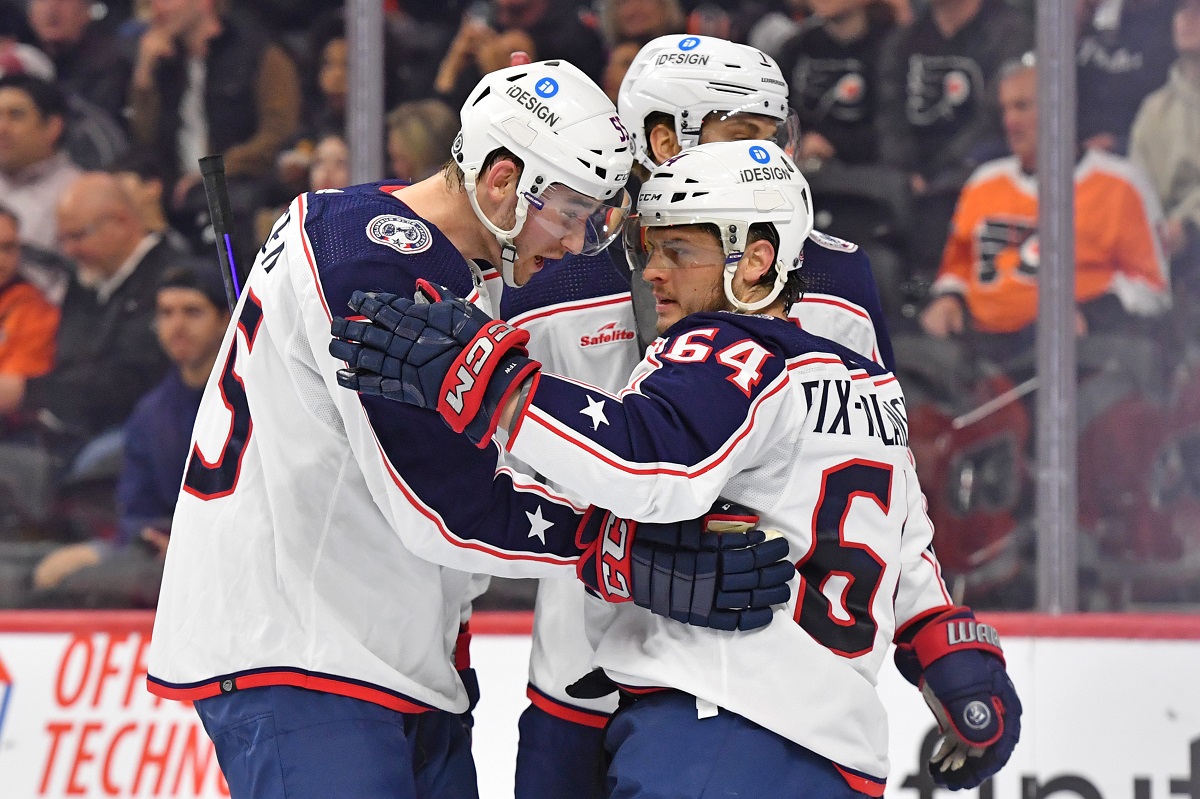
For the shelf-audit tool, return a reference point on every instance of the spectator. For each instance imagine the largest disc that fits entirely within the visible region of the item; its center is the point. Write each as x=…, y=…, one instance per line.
x=107, y=354
x=557, y=31
x=326, y=90
x=206, y=82
x=832, y=68
x=33, y=171
x=27, y=321
x=775, y=28
x=141, y=178
x=331, y=164
x=937, y=104
x=989, y=271
x=420, y=135
x=190, y=320
x=87, y=59
x=640, y=20
x=619, y=59
x=1166, y=143
x=1123, y=54
x=475, y=51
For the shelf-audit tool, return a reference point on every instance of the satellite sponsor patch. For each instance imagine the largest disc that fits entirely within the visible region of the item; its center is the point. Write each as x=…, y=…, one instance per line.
x=407, y=236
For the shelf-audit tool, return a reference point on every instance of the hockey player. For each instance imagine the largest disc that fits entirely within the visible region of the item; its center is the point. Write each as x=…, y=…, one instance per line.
x=734, y=399
x=679, y=91
x=312, y=590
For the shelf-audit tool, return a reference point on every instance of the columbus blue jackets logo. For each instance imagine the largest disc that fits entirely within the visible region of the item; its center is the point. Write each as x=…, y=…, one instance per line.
x=408, y=236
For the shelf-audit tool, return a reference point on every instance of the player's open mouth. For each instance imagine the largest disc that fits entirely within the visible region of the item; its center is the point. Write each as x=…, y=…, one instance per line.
x=538, y=262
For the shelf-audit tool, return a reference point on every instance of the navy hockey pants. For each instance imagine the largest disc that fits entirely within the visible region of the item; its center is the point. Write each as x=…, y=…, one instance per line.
x=280, y=742
x=558, y=759
x=661, y=750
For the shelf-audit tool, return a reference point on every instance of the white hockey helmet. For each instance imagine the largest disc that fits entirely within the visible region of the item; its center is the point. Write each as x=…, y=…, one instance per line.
x=732, y=185
x=565, y=131
x=690, y=77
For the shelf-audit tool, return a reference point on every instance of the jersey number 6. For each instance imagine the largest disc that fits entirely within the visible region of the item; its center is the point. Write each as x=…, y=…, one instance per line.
x=835, y=566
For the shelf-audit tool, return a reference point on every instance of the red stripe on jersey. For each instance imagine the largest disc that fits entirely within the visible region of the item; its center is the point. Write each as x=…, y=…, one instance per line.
x=312, y=264
x=718, y=456
x=854, y=309
x=578, y=305
x=937, y=568
x=294, y=678
x=575, y=715
x=861, y=782
x=428, y=513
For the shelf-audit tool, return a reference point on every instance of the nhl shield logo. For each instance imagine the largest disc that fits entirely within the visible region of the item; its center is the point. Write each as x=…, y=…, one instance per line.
x=407, y=236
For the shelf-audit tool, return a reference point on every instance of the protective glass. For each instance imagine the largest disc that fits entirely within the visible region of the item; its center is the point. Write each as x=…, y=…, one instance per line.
x=743, y=124
x=579, y=220
x=669, y=247
x=1175, y=474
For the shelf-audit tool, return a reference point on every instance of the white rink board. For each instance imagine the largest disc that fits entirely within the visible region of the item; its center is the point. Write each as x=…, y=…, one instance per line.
x=1118, y=719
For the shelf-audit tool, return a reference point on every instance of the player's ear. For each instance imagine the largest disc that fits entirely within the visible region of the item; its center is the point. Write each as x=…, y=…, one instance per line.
x=757, y=260
x=501, y=180
x=663, y=142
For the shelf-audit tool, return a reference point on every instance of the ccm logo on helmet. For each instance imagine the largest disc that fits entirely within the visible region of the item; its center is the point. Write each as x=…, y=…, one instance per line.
x=539, y=109
x=473, y=362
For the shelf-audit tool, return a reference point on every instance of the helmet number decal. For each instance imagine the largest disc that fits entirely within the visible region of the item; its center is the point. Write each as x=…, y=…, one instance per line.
x=616, y=123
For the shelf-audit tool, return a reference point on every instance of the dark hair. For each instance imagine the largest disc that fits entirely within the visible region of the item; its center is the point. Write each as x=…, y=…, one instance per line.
x=8, y=213
x=453, y=173
x=199, y=275
x=794, y=286
x=46, y=96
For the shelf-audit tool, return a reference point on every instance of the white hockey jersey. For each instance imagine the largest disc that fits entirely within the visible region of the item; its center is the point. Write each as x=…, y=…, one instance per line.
x=813, y=437
x=581, y=325
x=323, y=539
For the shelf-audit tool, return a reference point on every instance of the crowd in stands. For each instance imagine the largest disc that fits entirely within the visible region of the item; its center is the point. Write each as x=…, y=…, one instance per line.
x=919, y=138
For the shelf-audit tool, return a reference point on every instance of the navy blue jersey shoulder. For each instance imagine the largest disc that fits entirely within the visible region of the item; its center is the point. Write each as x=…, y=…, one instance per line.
x=339, y=224
x=576, y=277
x=780, y=337
x=840, y=273
x=443, y=469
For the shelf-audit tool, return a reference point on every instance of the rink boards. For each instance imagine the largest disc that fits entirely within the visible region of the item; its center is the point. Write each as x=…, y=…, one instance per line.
x=1112, y=709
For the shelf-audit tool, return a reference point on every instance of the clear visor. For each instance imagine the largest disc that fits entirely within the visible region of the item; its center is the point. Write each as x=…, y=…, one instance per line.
x=744, y=125
x=686, y=245
x=583, y=224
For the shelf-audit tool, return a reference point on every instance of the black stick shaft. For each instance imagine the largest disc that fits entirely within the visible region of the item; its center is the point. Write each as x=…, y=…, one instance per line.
x=212, y=170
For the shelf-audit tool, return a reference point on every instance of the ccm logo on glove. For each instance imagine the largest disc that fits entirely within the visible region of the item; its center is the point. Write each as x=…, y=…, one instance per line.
x=474, y=361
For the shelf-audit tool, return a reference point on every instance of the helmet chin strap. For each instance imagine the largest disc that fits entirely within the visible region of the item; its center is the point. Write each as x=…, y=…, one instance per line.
x=758, y=305
x=508, y=249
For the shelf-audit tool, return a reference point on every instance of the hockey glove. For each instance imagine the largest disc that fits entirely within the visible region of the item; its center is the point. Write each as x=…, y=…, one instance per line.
x=715, y=571
x=437, y=351
x=957, y=663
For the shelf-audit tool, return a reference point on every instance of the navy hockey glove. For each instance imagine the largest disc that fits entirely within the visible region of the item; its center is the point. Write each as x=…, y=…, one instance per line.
x=957, y=663
x=715, y=571
x=438, y=352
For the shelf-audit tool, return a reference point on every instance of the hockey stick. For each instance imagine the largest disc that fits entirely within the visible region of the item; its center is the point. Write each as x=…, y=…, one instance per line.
x=212, y=171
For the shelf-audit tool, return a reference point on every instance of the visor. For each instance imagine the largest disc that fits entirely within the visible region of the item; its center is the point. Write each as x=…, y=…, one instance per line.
x=783, y=132
x=578, y=220
x=669, y=248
